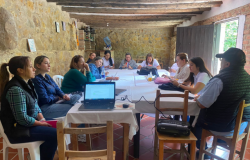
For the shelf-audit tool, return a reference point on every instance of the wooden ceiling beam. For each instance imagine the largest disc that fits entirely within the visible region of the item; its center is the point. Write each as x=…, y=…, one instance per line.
x=146, y=6
x=190, y=11
x=132, y=1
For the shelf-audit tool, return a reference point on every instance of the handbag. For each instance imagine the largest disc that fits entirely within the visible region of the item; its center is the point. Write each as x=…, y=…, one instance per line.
x=170, y=87
x=147, y=70
x=161, y=80
x=19, y=131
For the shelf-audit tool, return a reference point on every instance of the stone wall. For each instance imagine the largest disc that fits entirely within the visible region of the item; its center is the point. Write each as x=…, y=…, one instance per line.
x=35, y=19
x=138, y=42
x=244, y=10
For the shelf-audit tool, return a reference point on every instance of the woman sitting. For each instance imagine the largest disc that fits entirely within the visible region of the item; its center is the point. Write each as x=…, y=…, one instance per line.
x=108, y=61
x=49, y=93
x=183, y=72
x=150, y=61
x=96, y=68
x=21, y=116
x=74, y=80
x=91, y=57
x=128, y=62
x=198, y=78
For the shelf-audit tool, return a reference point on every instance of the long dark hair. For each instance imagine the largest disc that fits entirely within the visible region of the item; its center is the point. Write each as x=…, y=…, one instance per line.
x=110, y=59
x=199, y=62
x=14, y=63
x=149, y=55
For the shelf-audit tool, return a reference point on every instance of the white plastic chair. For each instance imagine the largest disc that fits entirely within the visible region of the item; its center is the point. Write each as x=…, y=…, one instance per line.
x=58, y=79
x=33, y=147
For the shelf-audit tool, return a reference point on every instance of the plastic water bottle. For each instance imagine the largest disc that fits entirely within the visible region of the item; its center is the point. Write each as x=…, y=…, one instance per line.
x=103, y=72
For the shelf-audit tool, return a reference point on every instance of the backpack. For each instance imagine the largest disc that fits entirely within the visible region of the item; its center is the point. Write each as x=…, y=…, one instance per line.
x=147, y=70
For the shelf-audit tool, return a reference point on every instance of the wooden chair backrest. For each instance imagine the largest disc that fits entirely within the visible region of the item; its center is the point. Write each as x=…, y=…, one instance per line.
x=239, y=120
x=183, y=110
x=62, y=152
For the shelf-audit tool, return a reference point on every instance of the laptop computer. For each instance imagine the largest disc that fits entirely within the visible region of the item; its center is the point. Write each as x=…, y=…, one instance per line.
x=98, y=96
x=119, y=91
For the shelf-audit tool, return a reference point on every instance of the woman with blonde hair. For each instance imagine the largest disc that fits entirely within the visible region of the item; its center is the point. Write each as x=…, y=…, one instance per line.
x=74, y=80
x=20, y=115
x=49, y=93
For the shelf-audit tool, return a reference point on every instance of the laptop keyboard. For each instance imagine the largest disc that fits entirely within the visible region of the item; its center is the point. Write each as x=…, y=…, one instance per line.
x=99, y=105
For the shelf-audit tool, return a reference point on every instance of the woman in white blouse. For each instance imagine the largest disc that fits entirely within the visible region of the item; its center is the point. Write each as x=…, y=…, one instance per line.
x=150, y=61
x=198, y=78
x=108, y=61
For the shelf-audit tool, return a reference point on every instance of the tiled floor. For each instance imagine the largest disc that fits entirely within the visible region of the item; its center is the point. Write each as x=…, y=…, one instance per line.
x=146, y=144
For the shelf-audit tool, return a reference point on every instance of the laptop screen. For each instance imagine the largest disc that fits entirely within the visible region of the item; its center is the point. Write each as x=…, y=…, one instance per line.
x=105, y=91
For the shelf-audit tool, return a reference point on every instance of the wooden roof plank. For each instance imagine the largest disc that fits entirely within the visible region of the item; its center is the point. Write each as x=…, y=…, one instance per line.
x=147, y=6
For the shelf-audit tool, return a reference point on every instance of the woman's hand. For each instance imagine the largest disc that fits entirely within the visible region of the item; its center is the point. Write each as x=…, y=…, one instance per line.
x=129, y=67
x=45, y=124
x=164, y=76
x=125, y=65
x=66, y=97
x=196, y=97
x=86, y=66
x=174, y=82
x=106, y=73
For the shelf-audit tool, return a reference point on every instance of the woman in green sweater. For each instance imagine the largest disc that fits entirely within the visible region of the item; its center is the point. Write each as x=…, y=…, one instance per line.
x=74, y=79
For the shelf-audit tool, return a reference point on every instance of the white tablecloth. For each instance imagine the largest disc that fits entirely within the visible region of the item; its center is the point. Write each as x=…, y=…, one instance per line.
x=101, y=117
x=137, y=86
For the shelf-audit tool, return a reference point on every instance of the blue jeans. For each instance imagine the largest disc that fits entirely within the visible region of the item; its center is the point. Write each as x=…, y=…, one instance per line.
x=41, y=133
x=60, y=109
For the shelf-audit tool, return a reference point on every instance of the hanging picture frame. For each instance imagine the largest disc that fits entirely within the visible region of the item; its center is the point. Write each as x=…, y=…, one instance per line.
x=32, y=46
x=57, y=27
x=63, y=26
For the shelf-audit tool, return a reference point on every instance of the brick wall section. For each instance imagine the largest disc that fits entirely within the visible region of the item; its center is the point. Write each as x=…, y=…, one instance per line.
x=244, y=10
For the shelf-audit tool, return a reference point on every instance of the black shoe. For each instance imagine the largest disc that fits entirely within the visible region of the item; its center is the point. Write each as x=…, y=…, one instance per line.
x=205, y=157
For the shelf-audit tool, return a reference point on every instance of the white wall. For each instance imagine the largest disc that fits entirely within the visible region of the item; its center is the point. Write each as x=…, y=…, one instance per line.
x=226, y=6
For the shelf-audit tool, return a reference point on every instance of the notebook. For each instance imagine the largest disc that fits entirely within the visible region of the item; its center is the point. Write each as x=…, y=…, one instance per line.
x=98, y=96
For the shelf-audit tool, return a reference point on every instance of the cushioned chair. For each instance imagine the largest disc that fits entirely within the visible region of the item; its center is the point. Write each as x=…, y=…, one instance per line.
x=58, y=79
x=231, y=142
x=33, y=147
x=163, y=138
x=106, y=154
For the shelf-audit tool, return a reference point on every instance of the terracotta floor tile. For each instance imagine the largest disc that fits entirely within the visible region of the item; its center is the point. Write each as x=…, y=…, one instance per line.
x=174, y=156
x=151, y=126
x=146, y=132
x=147, y=143
x=147, y=121
x=104, y=137
x=119, y=143
x=172, y=145
x=119, y=131
x=147, y=156
x=142, y=137
x=116, y=126
x=98, y=142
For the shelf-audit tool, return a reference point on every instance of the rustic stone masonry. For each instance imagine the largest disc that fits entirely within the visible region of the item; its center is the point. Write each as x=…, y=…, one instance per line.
x=35, y=19
x=138, y=42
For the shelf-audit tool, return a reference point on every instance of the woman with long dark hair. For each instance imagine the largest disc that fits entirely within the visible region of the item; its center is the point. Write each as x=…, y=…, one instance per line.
x=108, y=61
x=198, y=78
x=92, y=56
x=150, y=61
x=20, y=114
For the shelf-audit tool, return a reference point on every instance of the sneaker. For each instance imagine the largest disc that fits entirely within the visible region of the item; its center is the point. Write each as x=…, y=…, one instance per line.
x=206, y=157
x=82, y=138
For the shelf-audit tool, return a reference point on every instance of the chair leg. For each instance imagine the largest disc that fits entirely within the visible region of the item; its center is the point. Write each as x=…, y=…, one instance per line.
x=5, y=152
x=214, y=145
x=161, y=150
x=20, y=154
x=243, y=147
x=156, y=144
x=203, y=143
x=34, y=153
x=182, y=150
x=192, y=152
x=232, y=151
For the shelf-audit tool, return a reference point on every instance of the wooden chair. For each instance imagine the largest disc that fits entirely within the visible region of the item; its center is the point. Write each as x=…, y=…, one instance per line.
x=191, y=139
x=231, y=141
x=106, y=154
